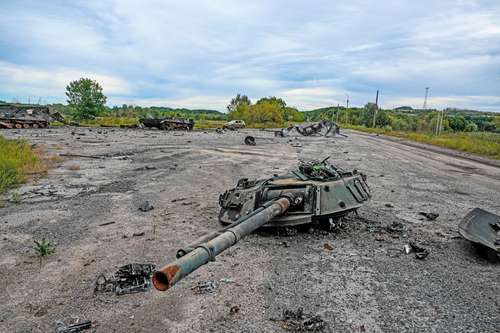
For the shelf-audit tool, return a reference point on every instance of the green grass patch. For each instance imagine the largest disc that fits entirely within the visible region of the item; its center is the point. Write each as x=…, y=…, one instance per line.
x=17, y=161
x=481, y=143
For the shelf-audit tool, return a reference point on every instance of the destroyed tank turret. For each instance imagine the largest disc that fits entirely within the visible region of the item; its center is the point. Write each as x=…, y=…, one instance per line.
x=26, y=116
x=328, y=194
x=168, y=124
x=316, y=191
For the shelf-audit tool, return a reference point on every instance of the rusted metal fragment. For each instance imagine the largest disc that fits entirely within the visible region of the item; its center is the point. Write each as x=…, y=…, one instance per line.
x=481, y=227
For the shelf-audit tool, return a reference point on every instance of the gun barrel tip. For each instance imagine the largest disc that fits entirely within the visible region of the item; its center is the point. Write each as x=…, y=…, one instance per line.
x=160, y=281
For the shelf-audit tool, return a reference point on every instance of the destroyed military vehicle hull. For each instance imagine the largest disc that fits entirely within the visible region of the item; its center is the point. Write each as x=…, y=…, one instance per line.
x=317, y=191
x=323, y=127
x=26, y=116
x=328, y=193
x=169, y=124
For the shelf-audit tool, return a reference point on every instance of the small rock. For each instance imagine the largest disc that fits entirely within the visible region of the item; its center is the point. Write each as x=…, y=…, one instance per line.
x=328, y=247
x=146, y=206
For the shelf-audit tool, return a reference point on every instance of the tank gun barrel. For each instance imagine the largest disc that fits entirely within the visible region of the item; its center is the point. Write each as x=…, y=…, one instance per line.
x=206, y=251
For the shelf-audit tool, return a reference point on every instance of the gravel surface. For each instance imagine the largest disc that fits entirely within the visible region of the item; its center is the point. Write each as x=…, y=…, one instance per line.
x=356, y=279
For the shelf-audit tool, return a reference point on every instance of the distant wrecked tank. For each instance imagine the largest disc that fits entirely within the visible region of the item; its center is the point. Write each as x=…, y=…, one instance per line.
x=26, y=116
x=168, y=123
x=315, y=192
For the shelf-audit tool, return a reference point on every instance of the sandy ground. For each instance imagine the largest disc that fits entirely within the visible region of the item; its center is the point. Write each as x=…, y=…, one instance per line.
x=365, y=284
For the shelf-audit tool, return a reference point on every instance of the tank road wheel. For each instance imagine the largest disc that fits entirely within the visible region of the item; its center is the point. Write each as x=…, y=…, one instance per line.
x=18, y=126
x=26, y=125
x=35, y=126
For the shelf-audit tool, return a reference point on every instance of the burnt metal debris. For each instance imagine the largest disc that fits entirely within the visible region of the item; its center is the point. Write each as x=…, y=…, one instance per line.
x=298, y=321
x=250, y=140
x=316, y=191
x=429, y=216
x=27, y=116
x=76, y=326
x=204, y=287
x=131, y=278
x=323, y=127
x=420, y=252
x=482, y=228
x=168, y=123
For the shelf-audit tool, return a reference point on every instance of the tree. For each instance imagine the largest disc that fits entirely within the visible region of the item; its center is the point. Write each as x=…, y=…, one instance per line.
x=273, y=100
x=85, y=97
x=237, y=101
x=457, y=123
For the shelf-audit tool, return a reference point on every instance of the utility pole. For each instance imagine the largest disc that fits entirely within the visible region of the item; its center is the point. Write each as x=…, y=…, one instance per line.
x=440, y=129
x=425, y=99
x=376, y=110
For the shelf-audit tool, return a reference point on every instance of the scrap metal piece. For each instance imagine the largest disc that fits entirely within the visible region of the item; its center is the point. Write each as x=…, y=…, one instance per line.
x=131, y=278
x=481, y=227
x=420, y=252
x=73, y=328
x=204, y=287
x=429, y=216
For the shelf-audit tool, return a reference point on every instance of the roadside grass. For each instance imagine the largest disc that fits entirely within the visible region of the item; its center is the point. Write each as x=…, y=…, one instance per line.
x=204, y=124
x=481, y=143
x=109, y=121
x=18, y=162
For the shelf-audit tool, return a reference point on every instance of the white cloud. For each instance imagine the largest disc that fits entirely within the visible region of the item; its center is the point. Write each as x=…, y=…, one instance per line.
x=204, y=52
x=26, y=80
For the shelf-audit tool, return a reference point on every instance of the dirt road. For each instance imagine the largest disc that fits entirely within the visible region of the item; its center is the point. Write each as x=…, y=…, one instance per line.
x=365, y=284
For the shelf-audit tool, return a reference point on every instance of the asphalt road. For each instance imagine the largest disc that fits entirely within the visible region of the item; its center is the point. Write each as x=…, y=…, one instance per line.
x=361, y=282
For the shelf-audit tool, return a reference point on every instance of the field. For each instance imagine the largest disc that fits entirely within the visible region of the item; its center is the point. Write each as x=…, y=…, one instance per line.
x=481, y=143
x=357, y=279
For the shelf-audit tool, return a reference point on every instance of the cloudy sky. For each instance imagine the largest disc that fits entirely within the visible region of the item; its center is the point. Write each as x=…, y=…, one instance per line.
x=199, y=54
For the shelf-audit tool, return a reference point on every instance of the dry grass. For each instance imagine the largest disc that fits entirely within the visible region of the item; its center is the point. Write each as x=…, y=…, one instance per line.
x=110, y=121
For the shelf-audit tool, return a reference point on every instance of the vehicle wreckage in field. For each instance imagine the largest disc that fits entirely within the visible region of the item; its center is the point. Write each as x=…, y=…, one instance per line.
x=168, y=123
x=323, y=127
x=317, y=192
x=27, y=116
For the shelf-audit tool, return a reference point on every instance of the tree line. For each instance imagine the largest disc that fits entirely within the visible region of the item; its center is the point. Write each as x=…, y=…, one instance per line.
x=86, y=101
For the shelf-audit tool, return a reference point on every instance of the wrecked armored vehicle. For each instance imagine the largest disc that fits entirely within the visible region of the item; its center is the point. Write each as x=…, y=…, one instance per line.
x=168, y=123
x=26, y=116
x=327, y=192
x=316, y=192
